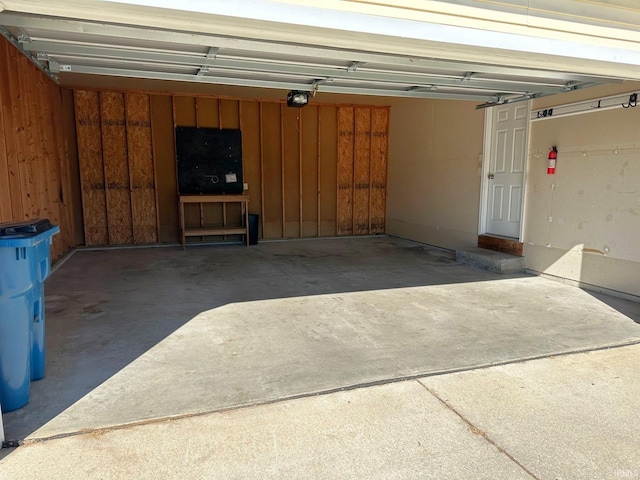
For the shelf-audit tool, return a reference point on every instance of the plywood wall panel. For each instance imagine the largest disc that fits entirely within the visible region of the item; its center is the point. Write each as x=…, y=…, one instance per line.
x=184, y=111
x=143, y=189
x=310, y=171
x=229, y=113
x=165, y=163
x=30, y=160
x=185, y=114
x=379, y=149
x=94, y=206
x=207, y=114
x=116, y=168
x=250, y=114
x=299, y=164
x=272, y=179
x=328, y=165
x=291, y=172
x=345, y=170
x=361, y=173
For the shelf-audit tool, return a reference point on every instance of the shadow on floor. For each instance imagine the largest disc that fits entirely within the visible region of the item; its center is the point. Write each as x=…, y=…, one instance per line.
x=148, y=333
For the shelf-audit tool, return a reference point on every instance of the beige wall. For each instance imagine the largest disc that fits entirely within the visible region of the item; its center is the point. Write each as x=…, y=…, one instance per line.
x=434, y=171
x=593, y=199
x=583, y=222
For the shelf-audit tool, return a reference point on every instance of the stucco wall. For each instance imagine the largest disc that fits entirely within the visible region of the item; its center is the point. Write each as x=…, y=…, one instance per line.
x=434, y=172
x=583, y=222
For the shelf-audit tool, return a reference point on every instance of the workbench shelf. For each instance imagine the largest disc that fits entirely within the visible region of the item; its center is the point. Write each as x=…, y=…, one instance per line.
x=225, y=228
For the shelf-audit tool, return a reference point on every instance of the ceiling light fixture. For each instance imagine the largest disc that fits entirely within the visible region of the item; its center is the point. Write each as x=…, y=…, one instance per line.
x=297, y=98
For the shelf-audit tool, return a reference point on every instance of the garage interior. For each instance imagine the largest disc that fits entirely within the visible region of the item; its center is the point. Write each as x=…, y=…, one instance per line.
x=390, y=148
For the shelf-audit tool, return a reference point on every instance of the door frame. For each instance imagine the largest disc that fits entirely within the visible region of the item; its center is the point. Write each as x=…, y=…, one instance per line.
x=486, y=161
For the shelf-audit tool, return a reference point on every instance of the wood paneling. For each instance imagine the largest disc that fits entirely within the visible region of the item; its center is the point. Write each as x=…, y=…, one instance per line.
x=317, y=171
x=291, y=177
x=141, y=168
x=94, y=206
x=115, y=150
x=34, y=165
x=67, y=146
x=6, y=204
x=272, y=178
x=498, y=244
x=10, y=96
x=379, y=148
x=310, y=186
x=185, y=114
x=165, y=162
x=328, y=169
x=116, y=168
x=345, y=170
x=207, y=114
x=229, y=113
x=250, y=114
x=361, y=171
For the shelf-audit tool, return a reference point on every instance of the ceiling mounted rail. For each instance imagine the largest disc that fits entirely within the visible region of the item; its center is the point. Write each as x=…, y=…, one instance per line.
x=64, y=46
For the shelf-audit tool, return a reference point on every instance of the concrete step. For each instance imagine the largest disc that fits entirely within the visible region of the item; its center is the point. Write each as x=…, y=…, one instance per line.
x=497, y=262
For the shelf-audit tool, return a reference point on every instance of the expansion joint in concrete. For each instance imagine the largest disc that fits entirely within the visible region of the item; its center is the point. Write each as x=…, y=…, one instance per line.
x=478, y=431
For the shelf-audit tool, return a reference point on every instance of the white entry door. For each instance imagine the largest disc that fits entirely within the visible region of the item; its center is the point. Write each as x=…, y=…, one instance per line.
x=505, y=178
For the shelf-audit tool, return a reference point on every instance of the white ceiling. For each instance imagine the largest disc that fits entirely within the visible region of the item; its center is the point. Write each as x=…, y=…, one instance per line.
x=276, y=45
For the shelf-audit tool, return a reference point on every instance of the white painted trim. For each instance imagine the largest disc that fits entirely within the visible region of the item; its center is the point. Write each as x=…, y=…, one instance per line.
x=486, y=155
x=472, y=41
x=486, y=160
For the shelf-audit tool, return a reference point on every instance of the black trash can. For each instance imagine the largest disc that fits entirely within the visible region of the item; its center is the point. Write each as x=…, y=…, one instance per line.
x=254, y=224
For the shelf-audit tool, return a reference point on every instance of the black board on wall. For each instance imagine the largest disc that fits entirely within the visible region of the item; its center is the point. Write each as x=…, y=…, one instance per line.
x=209, y=161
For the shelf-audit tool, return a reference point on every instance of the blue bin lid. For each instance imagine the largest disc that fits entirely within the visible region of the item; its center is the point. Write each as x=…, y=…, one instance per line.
x=26, y=234
x=29, y=227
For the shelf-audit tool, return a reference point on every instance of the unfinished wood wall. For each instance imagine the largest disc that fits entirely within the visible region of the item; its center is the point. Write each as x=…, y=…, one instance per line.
x=302, y=175
x=35, y=170
x=362, y=170
x=117, y=170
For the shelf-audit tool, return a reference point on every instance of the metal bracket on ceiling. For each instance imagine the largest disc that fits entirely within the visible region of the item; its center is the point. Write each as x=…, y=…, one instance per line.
x=209, y=59
x=316, y=84
x=54, y=66
x=502, y=100
x=23, y=38
x=16, y=42
x=353, y=67
x=423, y=88
x=467, y=76
x=569, y=86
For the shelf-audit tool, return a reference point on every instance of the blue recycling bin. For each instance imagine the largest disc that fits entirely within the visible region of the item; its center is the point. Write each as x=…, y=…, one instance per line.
x=24, y=265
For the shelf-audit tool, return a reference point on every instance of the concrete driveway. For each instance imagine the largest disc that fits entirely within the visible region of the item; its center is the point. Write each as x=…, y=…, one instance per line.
x=142, y=335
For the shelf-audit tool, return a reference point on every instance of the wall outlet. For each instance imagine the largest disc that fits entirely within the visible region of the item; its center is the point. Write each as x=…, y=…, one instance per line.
x=246, y=186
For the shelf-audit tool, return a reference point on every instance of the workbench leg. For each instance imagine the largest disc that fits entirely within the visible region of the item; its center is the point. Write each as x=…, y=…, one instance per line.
x=182, y=231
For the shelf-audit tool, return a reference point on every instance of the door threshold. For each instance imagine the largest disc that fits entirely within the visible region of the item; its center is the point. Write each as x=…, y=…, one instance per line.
x=497, y=243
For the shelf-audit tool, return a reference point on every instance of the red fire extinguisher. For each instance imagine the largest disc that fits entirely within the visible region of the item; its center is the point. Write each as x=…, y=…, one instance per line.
x=551, y=166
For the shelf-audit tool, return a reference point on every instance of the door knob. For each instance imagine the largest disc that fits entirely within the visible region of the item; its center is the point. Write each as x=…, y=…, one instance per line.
x=491, y=176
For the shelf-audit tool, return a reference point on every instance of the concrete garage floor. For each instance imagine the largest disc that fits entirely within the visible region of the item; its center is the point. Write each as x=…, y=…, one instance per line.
x=142, y=334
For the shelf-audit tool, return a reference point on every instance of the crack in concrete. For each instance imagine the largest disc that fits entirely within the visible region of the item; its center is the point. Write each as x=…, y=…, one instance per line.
x=478, y=431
